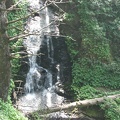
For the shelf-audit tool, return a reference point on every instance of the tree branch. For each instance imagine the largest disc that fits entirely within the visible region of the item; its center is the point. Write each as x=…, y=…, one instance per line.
x=59, y=8
x=37, y=33
x=19, y=36
x=26, y=56
x=50, y=2
x=14, y=27
x=11, y=10
x=62, y=36
x=13, y=6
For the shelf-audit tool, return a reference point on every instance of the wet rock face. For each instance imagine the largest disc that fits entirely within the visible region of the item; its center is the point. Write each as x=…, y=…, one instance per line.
x=58, y=62
x=42, y=58
x=62, y=58
x=24, y=68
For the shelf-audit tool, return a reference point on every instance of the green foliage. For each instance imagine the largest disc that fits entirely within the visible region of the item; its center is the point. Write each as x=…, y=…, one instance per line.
x=69, y=17
x=95, y=73
x=15, y=29
x=87, y=92
x=95, y=49
x=16, y=61
x=35, y=116
x=95, y=17
x=94, y=42
x=12, y=86
x=95, y=53
x=112, y=110
x=94, y=112
x=72, y=45
x=118, y=101
x=8, y=112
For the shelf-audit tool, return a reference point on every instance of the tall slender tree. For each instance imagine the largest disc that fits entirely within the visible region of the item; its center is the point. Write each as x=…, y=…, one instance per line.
x=4, y=53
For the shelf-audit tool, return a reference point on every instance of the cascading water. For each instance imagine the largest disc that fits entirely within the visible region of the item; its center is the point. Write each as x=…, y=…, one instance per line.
x=39, y=86
x=49, y=64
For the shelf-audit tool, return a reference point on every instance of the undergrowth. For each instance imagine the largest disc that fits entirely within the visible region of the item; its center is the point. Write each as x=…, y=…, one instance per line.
x=97, y=74
x=8, y=112
x=112, y=109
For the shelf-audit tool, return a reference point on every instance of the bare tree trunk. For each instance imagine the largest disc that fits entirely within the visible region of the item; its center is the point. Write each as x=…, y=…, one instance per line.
x=82, y=103
x=4, y=54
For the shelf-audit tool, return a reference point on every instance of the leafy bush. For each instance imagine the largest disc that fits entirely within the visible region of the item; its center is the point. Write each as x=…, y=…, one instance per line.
x=35, y=116
x=112, y=110
x=8, y=112
x=87, y=92
x=97, y=74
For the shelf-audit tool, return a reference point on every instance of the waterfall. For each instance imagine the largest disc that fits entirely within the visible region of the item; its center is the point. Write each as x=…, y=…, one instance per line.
x=39, y=87
x=38, y=26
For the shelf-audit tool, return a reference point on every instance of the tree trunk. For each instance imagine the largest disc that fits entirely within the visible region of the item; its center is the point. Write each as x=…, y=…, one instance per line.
x=82, y=103
x=4, y=54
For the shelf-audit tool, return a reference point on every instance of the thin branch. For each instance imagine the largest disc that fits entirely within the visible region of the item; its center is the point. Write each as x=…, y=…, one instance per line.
x=51, y=2
x=27, y=34
x=13, y=47
x=28, y=15
x=21, y=36
x=63, y=36
x=12, y=54
x=11, y=10
x=13, y=6
x=59, y=7
x=26, y=56
x=62, y=2
x=14, y=27
x=52, y=22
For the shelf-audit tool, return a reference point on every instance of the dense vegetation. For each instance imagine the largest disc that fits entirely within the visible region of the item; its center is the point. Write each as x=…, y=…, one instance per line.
x=14, y=30
x=95, y=49
x=96, y=59
x=8, y=112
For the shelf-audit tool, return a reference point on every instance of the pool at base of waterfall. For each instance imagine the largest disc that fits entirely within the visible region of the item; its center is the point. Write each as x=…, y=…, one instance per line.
x=43, y=99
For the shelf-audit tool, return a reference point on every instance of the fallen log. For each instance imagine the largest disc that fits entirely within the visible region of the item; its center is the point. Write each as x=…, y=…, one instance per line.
x=80, y=103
